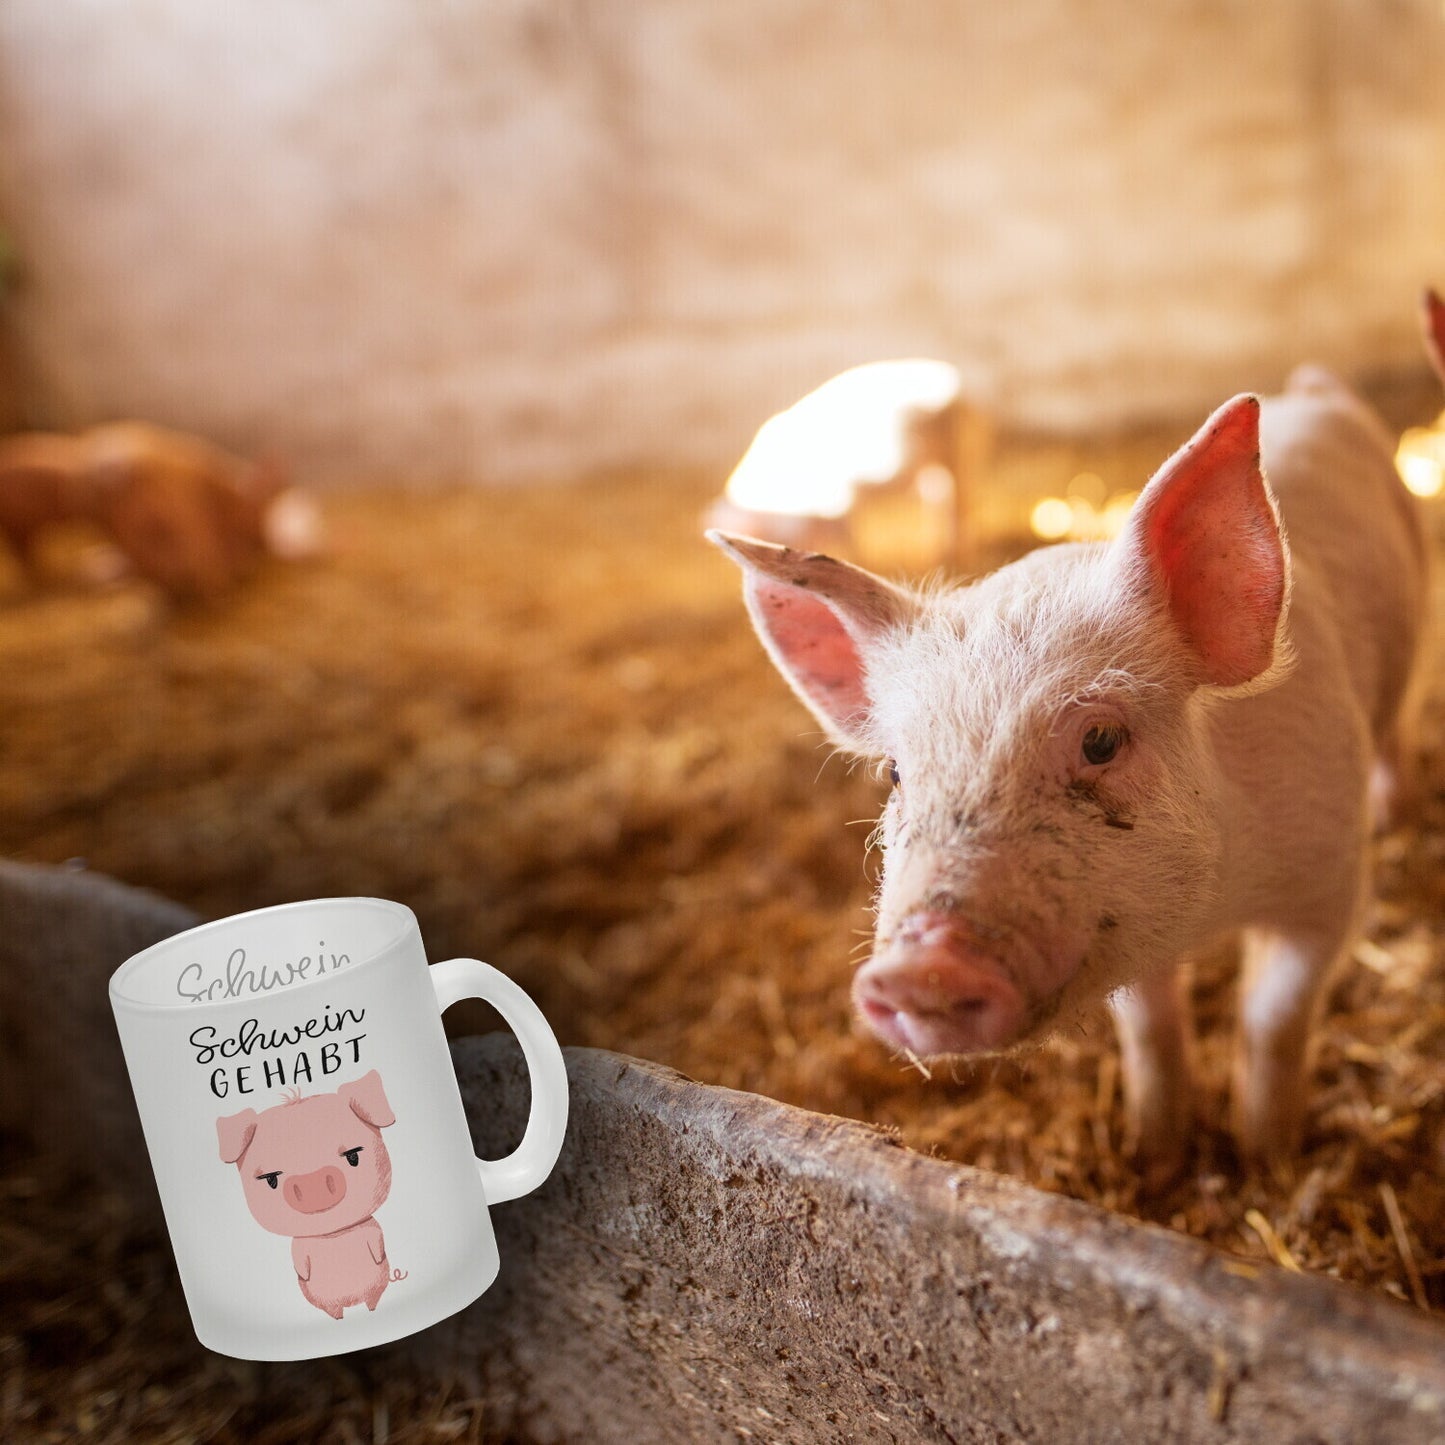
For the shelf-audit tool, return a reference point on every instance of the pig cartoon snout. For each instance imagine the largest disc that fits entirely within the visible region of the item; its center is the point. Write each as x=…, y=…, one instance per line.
x=936, y=989
x=314, y=1192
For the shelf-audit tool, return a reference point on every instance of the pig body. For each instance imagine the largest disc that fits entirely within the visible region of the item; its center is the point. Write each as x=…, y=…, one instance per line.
x=346, y=1268
x=1109, y=755
x=185, y=514
x=317, y=1169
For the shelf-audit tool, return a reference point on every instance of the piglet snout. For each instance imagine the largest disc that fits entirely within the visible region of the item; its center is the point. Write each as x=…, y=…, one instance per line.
x=311, y=1193
x=934, y=991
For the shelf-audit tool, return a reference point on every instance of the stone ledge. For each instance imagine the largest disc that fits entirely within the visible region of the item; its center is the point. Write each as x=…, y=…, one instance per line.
x=709, y=1265
x=63, y=1081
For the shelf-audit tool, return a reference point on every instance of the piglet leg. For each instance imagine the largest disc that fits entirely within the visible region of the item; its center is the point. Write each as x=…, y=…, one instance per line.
x=1394, y=779
x=1152, y=1019
x=1281, y=986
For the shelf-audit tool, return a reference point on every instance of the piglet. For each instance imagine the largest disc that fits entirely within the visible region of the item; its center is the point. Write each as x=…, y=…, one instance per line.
x=185, y=514
x=316, y=1169
x=1106, y=756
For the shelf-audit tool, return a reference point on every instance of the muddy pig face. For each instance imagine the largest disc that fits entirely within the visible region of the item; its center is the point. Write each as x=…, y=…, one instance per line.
x=1050, y=834
x=313, y=1165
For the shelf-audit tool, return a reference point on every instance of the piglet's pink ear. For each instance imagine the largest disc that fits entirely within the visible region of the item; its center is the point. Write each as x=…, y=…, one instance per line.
x=1432, y=317
x=1207, y=536
x=817, y=617
x=235, y=1132
x=368, y=1100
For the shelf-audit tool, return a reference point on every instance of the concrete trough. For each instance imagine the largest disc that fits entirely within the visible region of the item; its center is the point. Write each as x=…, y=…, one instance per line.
x=710, y=1265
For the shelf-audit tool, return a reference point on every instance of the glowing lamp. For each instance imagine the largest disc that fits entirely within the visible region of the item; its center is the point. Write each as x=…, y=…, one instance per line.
x=1420, y=458
x=882, y=427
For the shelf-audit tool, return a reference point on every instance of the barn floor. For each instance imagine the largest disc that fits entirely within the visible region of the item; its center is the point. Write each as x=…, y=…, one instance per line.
x=540, y=719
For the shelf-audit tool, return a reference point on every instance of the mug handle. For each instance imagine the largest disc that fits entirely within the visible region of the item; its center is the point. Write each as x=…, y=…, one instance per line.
x=531, y=1161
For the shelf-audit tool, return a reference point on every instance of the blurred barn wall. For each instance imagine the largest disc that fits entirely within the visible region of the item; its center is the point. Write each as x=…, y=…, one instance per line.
x=523, y=237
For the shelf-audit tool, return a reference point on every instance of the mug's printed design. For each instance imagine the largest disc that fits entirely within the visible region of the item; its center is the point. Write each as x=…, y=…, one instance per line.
x=316, y=1169
x=315, y=1004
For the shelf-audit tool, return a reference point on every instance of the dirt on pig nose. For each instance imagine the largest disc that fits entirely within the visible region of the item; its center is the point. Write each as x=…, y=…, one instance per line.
x=935, y=991
x=321, y=1189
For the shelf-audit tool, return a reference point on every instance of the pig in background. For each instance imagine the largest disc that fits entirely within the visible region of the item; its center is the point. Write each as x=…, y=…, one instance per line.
x=183, y=513
x=316, y=1169
x=1106, y=756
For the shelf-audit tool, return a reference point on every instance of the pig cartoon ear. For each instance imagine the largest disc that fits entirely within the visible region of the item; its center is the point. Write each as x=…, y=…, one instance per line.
x=1206, y=534
x=816, y=617
x=235, y=1132
x=1432, y=319
x=368, y=1100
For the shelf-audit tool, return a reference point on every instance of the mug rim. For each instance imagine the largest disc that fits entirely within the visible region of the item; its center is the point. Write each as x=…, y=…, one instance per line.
x=138, y=961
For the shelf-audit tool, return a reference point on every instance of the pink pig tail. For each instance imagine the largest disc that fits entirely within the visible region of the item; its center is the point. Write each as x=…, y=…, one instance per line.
x=397, y=1274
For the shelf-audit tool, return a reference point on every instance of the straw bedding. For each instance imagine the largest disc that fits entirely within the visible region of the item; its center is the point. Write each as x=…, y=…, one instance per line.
x=540, y=719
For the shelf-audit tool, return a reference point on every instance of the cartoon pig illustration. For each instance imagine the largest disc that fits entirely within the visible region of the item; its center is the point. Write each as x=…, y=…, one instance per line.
x=316, y=1169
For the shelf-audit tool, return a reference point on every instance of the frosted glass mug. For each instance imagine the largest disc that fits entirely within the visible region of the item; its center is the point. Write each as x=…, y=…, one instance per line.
x=306, y=1128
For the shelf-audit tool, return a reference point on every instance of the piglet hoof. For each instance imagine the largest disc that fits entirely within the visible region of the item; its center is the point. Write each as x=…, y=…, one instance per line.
x=1269, y=1134
x=1160, y=1168
x=1158, y=1176
x=1159, y=1146
x=1272, y=1159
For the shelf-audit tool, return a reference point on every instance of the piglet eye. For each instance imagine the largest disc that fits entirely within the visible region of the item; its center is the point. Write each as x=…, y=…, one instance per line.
x=353, y=1157
x=273, y=1178
x=893, y=772
x=1103, y=741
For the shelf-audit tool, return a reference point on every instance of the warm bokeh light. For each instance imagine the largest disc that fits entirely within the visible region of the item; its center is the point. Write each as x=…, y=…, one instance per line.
x=1421, y=458
x=1052, y=519
x=1116, y=512
x=1085, y=515
x=1088, y=487
x=808, y=460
